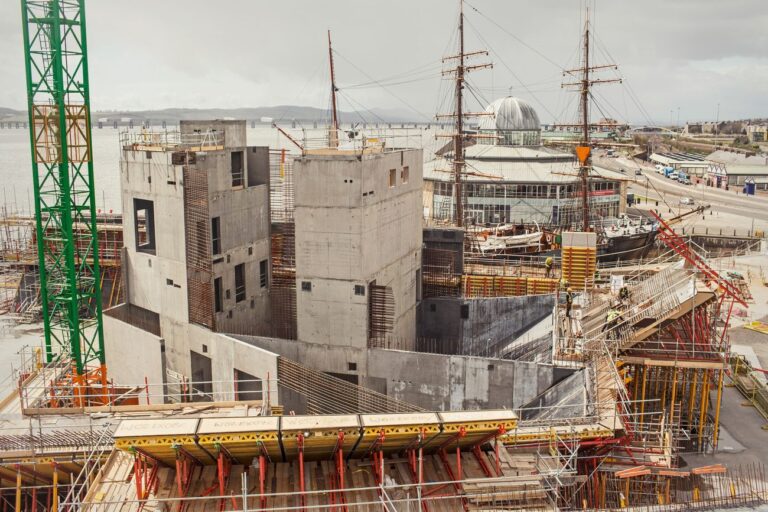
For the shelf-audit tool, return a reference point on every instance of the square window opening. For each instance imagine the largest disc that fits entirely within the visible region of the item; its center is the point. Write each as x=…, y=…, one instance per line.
x=306, y=286
x=359, y=289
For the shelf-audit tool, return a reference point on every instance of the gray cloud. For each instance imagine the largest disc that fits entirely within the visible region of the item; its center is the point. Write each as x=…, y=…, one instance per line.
x=689, y=54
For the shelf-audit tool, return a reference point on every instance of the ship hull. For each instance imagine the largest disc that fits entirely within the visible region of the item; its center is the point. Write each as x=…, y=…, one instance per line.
x=627, y=247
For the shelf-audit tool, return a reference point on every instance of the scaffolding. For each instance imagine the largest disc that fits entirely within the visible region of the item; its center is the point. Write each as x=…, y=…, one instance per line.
x=282, y=286
x=19, y=272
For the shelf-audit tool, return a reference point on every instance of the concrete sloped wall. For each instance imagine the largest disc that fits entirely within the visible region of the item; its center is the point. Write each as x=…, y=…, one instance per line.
x=566, y=399
x=490, y=323
x=440, y=382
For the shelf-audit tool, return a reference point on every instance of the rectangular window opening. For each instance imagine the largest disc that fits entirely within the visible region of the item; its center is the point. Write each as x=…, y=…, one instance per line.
x=216, y=235
x=240, y=282
x=392, y=178
x=404, y=174
x=218, y=299
x=144, y=225
x=263, y=274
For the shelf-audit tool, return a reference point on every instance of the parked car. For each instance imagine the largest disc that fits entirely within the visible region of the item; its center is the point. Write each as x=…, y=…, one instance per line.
x=638, y=172
x=622, y=171
x=686, y=201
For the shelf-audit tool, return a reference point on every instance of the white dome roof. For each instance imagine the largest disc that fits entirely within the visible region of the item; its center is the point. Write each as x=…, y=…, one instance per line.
x=510, y=114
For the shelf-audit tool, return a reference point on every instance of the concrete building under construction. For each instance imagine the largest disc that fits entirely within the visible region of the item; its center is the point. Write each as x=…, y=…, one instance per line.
x=292, y=337
x=553, y=409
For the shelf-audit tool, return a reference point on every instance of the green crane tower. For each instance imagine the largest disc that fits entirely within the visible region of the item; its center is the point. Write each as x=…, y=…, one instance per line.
x=58, y=100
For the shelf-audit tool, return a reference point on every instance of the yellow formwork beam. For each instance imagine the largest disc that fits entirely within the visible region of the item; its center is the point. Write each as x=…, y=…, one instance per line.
x=321, y=435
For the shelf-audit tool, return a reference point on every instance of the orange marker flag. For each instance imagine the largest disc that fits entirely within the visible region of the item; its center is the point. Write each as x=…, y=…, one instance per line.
x=583, y=153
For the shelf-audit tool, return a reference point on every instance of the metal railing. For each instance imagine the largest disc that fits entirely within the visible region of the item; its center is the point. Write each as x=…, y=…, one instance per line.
x=49, y=389
x=170, y=139
x=356, y=140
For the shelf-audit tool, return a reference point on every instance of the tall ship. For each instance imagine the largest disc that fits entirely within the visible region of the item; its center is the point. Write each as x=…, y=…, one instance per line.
x=514, y=195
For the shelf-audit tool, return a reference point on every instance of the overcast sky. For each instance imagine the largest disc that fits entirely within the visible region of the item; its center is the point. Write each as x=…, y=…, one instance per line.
x=686, y=54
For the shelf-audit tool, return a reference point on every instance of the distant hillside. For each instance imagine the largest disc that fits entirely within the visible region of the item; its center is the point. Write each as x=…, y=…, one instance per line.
x=9, y=114
x=282, y=113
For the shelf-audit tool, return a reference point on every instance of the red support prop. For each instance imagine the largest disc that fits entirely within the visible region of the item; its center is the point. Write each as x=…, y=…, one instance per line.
x=262, y=477
x=223, y=465
x=180, y=484
x=378, y=458
x=300, y=443
x=145, y=476
x=481, y=461
x=459, y=475
x=727, y=320
x=338, y=457
x=456, y=483
x=137, y=477
x=185, y=464
x=415, y=464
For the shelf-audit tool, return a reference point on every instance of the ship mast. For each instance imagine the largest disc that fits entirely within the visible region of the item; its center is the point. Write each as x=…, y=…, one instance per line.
x=584, y=85
x=458, y=138
x=584, y=169
x=334, y=138
x=459, y=73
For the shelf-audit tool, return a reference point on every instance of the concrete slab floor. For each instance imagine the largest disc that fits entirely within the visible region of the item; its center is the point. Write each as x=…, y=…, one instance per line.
x=743, y=440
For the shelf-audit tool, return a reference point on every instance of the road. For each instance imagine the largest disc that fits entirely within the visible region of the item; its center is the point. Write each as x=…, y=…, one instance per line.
x=657, y=187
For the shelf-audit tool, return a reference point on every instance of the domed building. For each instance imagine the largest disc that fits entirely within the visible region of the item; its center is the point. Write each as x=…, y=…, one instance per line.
x=514, y=121
x=510, y=177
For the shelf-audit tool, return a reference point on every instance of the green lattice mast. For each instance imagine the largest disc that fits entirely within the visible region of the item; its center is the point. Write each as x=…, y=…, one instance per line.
x=62, y=174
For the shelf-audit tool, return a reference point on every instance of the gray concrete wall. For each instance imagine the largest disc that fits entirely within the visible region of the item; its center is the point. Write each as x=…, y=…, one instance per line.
x=566, y=399
x=490, y=323
x=226, y=353
x=132, y=355
x=353, y=228
x=157, y=282
x=244, y=218
x=258, y=166
x=440, y=382
x=431, y=381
